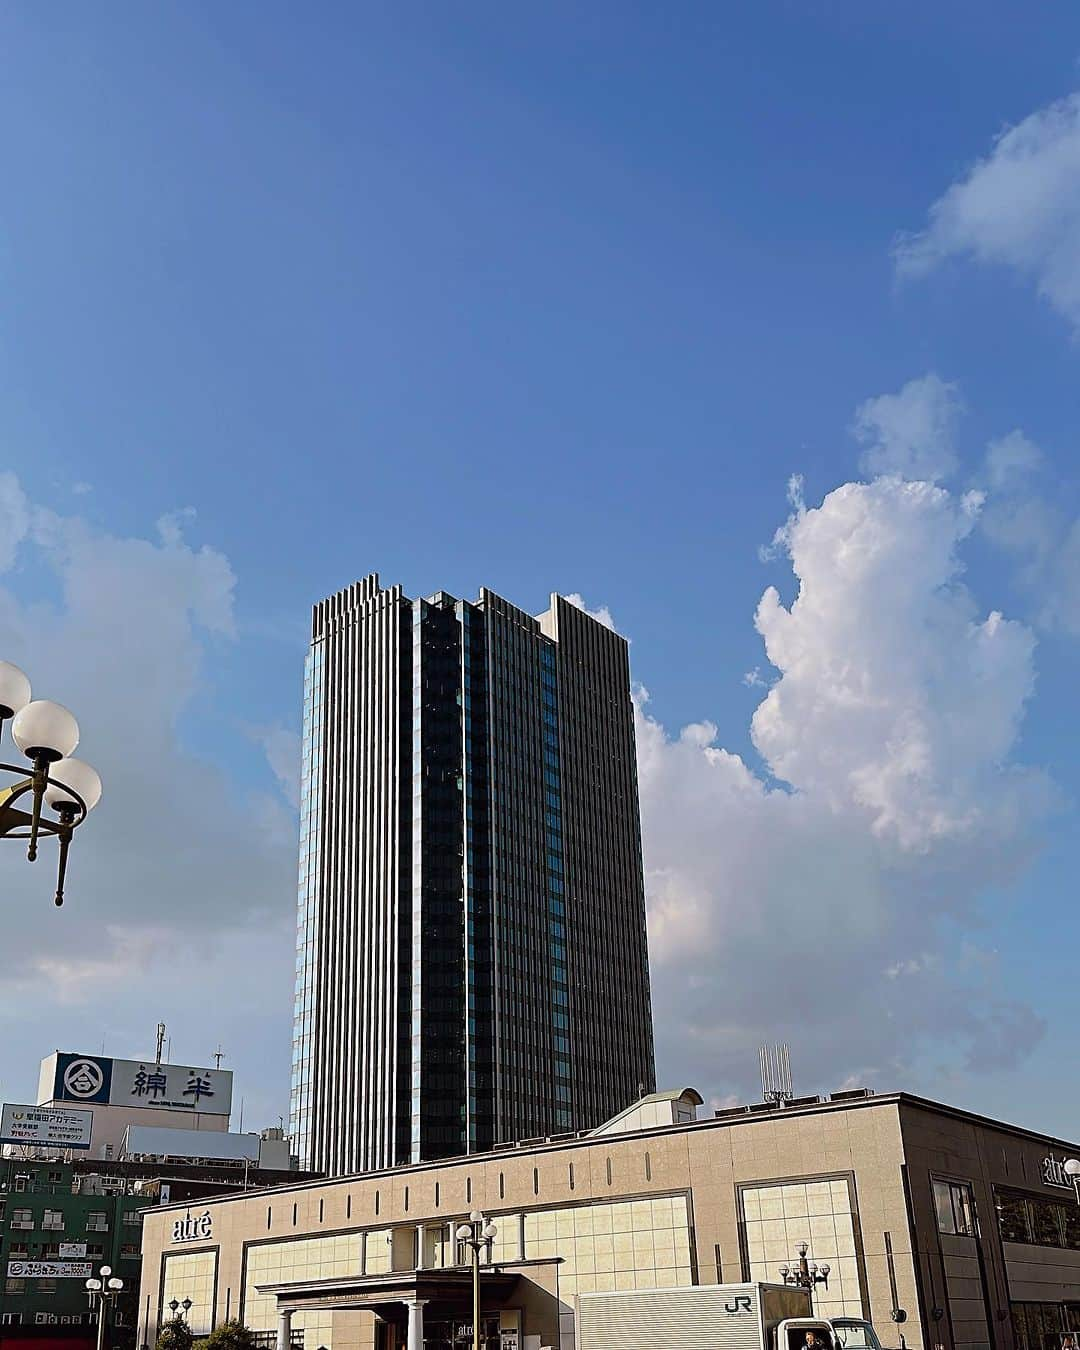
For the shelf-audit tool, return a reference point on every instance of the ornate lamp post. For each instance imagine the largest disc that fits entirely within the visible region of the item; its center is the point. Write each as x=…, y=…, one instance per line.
x=46, y=733
x=477, y=1234
x=103, y=1291
x=175, y=1307
x=806, y=1274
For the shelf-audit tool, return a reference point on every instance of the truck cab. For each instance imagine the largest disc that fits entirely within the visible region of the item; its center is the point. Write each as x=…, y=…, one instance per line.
x=813, y=1333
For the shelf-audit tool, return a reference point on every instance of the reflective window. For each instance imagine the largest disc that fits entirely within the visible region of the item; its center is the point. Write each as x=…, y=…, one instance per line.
x=955, y=1207
x=779, y=1218
x=1038, y=1220
x=303, y=1260
x=637, y=1244
x=190, y=1275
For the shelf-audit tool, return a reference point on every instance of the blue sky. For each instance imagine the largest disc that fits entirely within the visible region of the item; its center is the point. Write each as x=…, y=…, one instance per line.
x=532, y=298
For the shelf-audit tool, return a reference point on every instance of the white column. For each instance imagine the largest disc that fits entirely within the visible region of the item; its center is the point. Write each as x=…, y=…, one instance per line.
x=284, y=1328
x=416, y=1322
x=419, y=1246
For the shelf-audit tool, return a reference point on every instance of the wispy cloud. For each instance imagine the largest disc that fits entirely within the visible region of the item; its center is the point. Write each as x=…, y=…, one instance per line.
x=1019, y=207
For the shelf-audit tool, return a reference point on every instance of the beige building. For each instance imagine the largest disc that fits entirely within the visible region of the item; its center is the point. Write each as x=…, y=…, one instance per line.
x=946, y=1229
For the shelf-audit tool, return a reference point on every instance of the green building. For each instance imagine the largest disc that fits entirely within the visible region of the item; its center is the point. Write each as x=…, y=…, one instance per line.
x=60, y=1222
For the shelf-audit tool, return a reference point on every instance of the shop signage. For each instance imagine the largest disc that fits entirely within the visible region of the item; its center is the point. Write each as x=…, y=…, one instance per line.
x=49, y=1270
x=193, y=1228
x=1054, y=1174
x=508, y=1340
x=95, y=1080
x=72, y=1251
x=45, y=1126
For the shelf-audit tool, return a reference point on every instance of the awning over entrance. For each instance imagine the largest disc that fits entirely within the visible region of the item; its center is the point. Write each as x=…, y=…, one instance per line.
x=453, y=1285
x=399, y=1297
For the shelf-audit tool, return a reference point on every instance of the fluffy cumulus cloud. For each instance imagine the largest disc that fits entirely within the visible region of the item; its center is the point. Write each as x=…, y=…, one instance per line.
x=831, y=895
x=601, y=615
x=178, y=861
x=1018, y=206
x=910, y=433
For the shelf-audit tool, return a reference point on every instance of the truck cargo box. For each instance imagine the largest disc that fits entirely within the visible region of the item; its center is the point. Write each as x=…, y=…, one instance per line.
x=692, y=1317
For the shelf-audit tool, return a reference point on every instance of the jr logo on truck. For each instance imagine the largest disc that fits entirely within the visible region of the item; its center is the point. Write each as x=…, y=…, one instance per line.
x=737, y=1305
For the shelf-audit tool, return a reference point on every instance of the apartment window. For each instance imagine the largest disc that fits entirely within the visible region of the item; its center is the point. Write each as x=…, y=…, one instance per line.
x=22, y=1218
x=14, y=1286
x=53, y=1220
x=95, y=1249
x=97, y=1221
x=46, y=1286
x=955, y=1206
x=18, y=1249
x=130, y=1249
x=132, y=1217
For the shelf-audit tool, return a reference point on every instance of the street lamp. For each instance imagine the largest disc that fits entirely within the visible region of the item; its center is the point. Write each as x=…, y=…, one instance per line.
x=102, y=1291
x=175, y=1307
x=47, y=734
x=806, y=1274
x=477, y=1234
x=1072, y=1171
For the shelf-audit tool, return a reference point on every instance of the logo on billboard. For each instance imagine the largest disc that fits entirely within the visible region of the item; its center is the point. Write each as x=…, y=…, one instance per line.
x=1054, y=1174
x=82, y=1079
x=49, y=1270
x=58, y=1126
x=188, y=1229
x=123, y=1082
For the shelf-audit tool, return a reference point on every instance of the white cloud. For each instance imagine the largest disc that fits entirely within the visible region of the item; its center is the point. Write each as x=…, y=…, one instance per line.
x=1023, y=518
x=910, y=433
x=1011, y=457
x=816, y=905
x=179, y=863
x=1019, y=207
x=601, y=615
x=14, y=519
x=282, y=748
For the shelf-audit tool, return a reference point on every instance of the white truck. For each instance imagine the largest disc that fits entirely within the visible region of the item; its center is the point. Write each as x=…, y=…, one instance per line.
x=715, y=1317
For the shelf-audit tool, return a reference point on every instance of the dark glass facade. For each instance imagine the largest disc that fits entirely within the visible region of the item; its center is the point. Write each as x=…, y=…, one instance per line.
x=472, y=963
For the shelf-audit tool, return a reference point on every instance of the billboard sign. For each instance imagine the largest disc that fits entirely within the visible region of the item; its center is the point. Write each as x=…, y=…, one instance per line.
x=45, y=1126
x=95, y=1080
x=50, y=1270
x=72, y=1251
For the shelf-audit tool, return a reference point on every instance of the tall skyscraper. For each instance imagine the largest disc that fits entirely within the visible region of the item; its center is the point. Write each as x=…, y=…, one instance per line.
x=471, y=952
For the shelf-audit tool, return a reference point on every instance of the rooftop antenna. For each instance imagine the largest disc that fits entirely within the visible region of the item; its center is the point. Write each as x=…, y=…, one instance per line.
x=776, y=1074
x=219, y=1055
x=160, y=1041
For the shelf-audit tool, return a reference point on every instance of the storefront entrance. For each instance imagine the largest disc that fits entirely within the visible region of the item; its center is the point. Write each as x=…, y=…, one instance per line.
x=458, y=1335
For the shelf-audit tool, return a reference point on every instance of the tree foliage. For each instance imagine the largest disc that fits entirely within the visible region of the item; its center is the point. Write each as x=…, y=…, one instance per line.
x=175, y=1334
x=230, y=1336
